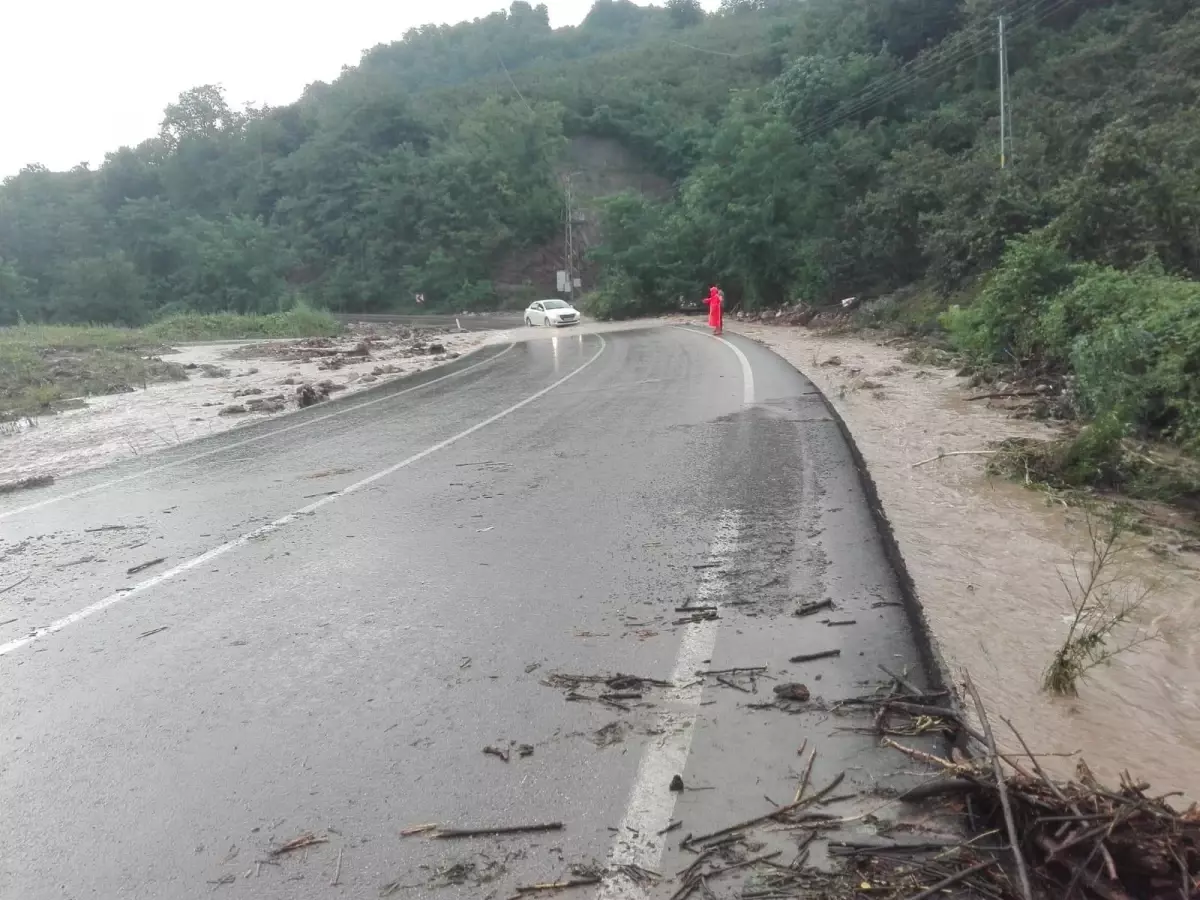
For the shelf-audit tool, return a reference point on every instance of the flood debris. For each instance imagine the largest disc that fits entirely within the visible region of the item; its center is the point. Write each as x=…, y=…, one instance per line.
x=25, y=484
x=493, y=831
x=610, y=734
x=705, y=615
x=418, y=829
x=16, y=584
x=308, y=839
x=142, y=567
x=611, y=690
x=525, y=890
x=1075, y=839
x=816, y=606
x=813, y=657
x=793, y=691
x=158, y=630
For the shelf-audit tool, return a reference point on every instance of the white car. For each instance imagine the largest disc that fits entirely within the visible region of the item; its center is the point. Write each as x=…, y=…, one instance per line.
x=551, y=312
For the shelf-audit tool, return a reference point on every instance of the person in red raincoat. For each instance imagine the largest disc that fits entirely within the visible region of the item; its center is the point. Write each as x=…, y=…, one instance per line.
x=714, y=300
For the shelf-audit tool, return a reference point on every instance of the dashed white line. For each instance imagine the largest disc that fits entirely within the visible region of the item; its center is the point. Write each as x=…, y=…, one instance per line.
x=242, y=443
x=141, y=587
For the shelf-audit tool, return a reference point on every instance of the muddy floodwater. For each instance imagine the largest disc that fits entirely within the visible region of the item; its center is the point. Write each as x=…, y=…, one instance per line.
x=986, y=556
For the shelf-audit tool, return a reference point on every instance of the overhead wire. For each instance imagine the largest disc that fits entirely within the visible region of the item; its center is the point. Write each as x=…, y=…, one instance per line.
x=924, y=68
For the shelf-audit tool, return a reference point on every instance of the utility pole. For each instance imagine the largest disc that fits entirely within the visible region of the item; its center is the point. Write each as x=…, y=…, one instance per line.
x=1005, y=115
x=570, y=239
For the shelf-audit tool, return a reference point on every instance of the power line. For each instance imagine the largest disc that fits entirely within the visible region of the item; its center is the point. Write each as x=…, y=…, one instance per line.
x=891, y=86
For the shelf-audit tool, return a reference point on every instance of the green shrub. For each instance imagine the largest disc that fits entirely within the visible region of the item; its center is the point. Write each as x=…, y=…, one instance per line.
x=1141, y=361
x=616, y=299
x=1001, y=323
x=299, y=321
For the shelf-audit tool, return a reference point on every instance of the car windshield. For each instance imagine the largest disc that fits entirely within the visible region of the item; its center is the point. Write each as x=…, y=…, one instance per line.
x=554, y=304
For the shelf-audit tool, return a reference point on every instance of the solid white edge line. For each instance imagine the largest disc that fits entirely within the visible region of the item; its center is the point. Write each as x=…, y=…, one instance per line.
x=747, y=371
x=641, y=837
x=119, y=596
x=242, y=443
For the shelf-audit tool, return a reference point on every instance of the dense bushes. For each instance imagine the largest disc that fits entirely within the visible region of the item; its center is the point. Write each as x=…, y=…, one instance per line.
x=1131, y=339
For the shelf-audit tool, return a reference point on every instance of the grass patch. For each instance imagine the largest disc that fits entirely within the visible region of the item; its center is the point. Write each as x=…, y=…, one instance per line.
x=298, y=322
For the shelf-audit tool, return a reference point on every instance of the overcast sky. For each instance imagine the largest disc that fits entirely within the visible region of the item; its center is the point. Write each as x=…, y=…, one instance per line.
x=78, y=79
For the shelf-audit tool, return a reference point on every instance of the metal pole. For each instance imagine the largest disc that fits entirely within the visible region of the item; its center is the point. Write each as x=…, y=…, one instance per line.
x=1003, y=91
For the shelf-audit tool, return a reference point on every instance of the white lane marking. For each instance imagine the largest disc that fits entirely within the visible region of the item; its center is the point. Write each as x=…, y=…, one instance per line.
x=651, y=802
x=140, y=587
x=261, y=437
x=747, y=372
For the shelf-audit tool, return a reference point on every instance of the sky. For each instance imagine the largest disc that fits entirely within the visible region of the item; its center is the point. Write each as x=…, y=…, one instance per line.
x=79, y=79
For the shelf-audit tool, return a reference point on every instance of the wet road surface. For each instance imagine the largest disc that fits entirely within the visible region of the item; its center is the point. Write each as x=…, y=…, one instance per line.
x=355, y=600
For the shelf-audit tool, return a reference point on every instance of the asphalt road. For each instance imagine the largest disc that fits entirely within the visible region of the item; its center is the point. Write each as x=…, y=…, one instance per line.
x=355, y=600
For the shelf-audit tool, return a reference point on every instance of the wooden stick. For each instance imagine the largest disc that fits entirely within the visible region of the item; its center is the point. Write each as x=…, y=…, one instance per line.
x=758, y=820
x=557, y=885
x=903, y=682
x=703, y=672
x=337, y=873
x=920, y=755
x=732, y=684
x=418, y=829
x=955, y=453
x=1005, y=804
x=951, y=880
x=452, y=833
x=1003, y=395
x=811, y=657
x=809, y=608
x=15, y=584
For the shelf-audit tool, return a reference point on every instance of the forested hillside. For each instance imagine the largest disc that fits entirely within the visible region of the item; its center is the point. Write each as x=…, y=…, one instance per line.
x=818, y=149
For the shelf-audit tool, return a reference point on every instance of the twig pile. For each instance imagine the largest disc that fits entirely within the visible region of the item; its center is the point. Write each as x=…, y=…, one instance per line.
x=1070, y=840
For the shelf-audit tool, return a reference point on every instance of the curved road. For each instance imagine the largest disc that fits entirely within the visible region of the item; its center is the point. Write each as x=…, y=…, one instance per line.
x=356, y=599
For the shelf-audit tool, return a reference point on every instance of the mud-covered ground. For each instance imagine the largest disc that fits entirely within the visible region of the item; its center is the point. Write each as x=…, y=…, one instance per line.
x=988, y=558
x=228, y=384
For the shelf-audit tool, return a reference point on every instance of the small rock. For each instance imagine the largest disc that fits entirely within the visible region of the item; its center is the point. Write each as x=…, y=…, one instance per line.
x=288, y=381
x=792, y=691
x=360, y=349
x=235, y=410
x=677, y=783
x=247, y=392
x=307, y=395
x=433, y=349
x=367, y=379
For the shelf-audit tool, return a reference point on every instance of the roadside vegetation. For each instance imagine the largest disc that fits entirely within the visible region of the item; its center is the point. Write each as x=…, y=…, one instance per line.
x=1105, y=601
x=43, y=368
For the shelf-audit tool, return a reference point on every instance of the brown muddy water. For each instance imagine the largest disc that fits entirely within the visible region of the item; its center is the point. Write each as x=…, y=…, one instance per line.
x=987, y=555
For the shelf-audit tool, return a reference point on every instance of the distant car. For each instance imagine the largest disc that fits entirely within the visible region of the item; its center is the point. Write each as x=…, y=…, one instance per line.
x=551, y=312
